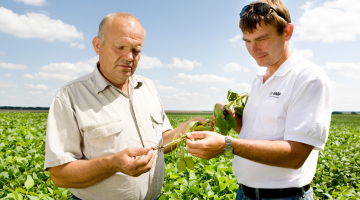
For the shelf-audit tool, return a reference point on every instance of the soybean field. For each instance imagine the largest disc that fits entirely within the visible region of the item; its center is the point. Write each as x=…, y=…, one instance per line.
x=22, y=145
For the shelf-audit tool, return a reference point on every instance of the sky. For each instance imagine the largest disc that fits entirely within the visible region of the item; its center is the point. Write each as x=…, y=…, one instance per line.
x=193, y=50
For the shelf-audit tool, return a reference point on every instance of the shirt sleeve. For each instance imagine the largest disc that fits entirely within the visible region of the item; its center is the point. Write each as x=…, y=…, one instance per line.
x=309, y=112
x=63, y=138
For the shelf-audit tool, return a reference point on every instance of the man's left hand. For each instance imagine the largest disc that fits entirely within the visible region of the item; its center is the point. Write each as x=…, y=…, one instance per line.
x=210, y=145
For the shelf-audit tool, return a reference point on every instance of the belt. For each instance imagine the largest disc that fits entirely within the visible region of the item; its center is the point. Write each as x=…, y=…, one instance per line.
x=273, y=193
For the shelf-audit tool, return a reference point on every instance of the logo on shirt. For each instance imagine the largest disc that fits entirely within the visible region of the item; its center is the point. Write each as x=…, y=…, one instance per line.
x=275, y=94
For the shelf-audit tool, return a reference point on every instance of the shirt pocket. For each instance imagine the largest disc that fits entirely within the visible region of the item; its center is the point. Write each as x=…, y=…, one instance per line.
x=266, y=121
x=157, y=123
x=100, y=140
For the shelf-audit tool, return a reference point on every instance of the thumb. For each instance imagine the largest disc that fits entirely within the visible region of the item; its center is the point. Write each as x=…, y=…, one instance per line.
x=138, y=151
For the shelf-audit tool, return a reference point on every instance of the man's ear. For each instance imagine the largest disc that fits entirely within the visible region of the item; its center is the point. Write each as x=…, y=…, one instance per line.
x=96, y=44
x=289, y=31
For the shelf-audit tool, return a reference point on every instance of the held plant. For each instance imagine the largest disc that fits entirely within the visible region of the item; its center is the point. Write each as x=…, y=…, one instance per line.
x=221, y=125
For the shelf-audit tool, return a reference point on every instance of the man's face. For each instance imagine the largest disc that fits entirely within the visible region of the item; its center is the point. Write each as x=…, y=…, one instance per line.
x=121, y=50
x=266, y=46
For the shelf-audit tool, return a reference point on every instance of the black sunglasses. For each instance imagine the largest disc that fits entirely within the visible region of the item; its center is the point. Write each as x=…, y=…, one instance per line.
x=259, y=8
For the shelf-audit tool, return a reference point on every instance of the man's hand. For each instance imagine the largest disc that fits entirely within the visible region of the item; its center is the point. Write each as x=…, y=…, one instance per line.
x=128, y=161
x=232, y=112
x=210, y=145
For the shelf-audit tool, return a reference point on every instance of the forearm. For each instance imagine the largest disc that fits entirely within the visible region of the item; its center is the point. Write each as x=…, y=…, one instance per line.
x=168, y=137
x=279, y=153
x=82, y=173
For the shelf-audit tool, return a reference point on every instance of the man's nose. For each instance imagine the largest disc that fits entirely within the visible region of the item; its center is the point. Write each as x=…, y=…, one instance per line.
x=129, y=56
x=254, y=48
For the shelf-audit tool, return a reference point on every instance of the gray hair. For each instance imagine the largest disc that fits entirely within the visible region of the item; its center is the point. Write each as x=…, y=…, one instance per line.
x=109, y=18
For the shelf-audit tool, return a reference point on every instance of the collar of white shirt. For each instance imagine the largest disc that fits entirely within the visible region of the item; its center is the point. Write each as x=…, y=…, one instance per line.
x=101, y=82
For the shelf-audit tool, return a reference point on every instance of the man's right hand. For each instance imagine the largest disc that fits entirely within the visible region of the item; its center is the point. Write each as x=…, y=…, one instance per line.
x=128, y=161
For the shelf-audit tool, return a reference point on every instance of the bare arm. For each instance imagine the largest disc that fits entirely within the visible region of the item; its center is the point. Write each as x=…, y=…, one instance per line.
x=84, y=173
x=168, y=136
x=288, y=154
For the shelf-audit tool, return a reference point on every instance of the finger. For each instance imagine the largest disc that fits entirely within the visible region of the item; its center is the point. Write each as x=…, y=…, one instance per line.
x=197, y=135
x=138, y=151
x=144, y=160
x=192, y=144
x=221, y=106
x=145, y=168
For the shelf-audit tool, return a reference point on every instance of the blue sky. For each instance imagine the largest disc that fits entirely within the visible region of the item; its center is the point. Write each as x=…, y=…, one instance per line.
x=193, y=51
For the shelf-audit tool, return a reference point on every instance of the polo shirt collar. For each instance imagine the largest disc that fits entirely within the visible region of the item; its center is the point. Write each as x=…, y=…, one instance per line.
x=288, y=65
x=101, y=82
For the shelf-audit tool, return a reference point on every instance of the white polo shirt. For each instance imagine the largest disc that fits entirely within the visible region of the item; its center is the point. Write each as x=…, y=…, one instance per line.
x=294, y=104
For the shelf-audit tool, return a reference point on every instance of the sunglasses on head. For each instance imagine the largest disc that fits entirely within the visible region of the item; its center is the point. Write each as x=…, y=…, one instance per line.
x=259, y=8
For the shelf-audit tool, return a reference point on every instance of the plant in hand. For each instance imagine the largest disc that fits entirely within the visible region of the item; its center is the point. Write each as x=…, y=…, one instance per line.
x=220, y=124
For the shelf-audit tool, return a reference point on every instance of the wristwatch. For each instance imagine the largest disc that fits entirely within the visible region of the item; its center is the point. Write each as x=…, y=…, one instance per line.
x=228, y=148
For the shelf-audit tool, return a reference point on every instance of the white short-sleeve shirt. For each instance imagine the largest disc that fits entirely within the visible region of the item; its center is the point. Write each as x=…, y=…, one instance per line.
x=90, y=118
x=294, y=104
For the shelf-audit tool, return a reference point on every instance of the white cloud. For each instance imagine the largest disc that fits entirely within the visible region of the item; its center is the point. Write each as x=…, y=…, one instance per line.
x=165, y=89
x=148, y=62
x=333, y=21
x=12, y=66
x=38, y=87
x=35, y=93
x=241, y=87
x=308, y=5
x=7, y=75
x=33, y=2
x=189, y=97
x=184, y=64
x=233, y=67
x=7, y=84
x=345, y=70
x=2, y=53
x=306, y=53
x=50, y=76
x=36, y=25
x=236, y=41
x=77, y=45
x=212, y=89
x=205, y=79
x=64, y=71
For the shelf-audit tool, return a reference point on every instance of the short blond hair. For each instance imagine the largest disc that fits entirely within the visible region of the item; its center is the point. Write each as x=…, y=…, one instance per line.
x=250, y=20
x=109, y=18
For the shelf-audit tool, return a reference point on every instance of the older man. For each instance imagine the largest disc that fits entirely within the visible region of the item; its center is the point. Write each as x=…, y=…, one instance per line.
x=287, y=117
x=100, y=126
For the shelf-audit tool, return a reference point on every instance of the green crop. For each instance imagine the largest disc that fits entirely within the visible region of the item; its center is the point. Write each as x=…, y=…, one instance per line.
x=22, y=140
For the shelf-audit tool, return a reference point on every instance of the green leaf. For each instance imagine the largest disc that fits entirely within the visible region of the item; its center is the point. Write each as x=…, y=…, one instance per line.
x=223, y=125
x=181, y=165
x=200, y=128
x=20, y=190
x=222, y=186
x=33, y=197
x=192, y=125
x=231, y=121
x=218, y=112
x=192, y=175
x=29, y=183
x=189, y=163
x=232, y=96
